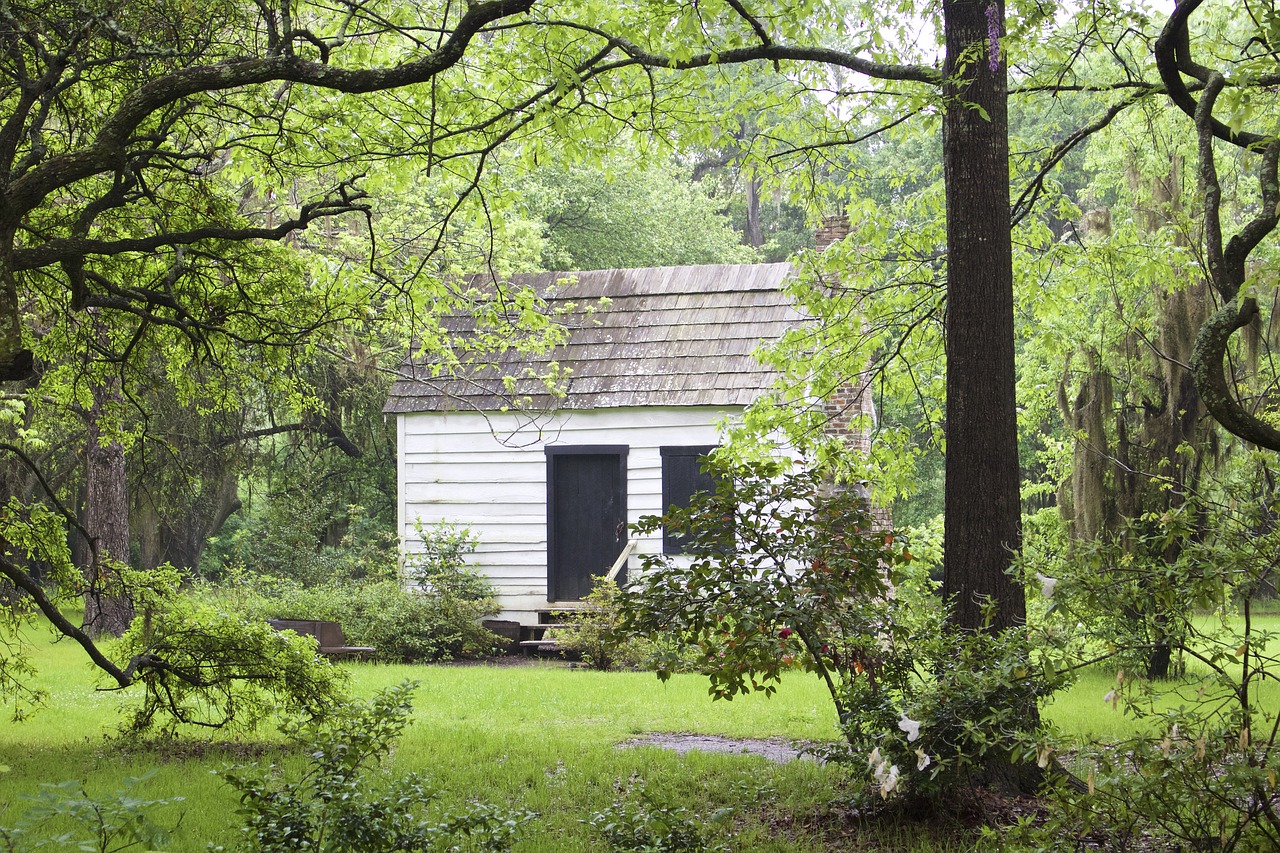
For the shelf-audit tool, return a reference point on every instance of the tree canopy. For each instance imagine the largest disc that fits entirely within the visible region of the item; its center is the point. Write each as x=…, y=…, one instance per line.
x=203, y=211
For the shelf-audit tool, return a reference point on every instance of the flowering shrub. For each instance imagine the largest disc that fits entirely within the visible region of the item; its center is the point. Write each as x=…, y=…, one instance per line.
x=790, y=574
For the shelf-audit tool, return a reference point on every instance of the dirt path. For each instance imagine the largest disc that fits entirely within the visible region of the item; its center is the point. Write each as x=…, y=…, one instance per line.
x=774, y=749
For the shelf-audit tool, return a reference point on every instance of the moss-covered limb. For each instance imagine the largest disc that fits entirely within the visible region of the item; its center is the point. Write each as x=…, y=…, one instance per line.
x=1172, y=54
x=1208, y=363
x=1226, y=260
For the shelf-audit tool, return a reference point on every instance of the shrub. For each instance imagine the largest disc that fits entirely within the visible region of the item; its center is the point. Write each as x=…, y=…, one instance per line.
x=809, y=583
x=438, y=619
x=1201, y=770
x=284, y=542
x=332, y=807
x=597, y=636
x=439, y=624
x=101, y=824
x=445, y=548
x=200, y=666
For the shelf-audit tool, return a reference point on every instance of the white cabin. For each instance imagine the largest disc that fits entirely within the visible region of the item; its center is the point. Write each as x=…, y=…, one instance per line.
x=550, y=486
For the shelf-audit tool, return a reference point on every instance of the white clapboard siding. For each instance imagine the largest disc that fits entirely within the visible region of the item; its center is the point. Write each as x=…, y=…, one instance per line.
x=484, y=472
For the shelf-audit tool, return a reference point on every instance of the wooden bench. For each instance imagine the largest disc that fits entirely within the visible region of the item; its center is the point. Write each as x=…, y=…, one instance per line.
x=328, y=634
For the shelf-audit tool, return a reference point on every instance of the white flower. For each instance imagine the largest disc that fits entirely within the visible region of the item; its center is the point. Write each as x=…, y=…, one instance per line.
x=1043, y=756
x=922, y=759
x=1113, y=698
x=874, y=759
x=889, y=782
x=910, y=726
x=1047, y=584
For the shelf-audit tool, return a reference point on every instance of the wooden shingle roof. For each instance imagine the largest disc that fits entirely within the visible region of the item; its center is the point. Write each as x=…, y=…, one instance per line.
x=668, y=336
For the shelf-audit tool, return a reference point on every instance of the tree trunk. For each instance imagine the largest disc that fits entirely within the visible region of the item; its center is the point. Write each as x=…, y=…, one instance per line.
x=982, y=513
x=753, y=232
x=107, y=609
x=180, y=538
x=16, y=361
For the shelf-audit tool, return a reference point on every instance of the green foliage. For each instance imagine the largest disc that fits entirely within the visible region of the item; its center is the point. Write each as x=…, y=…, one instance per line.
x=597, y=634
x=1191, y=786
x=438, y=618
x=790, y=573
x=1131, y=594
x=118, y=821
x=442, y=555
x=439, y=623
x=405, y=626
x=285, y=540
x=777, y=564
x=1201, y=771
x=333, y=805
x=628, y=213
x=36, y=538
x=639, y=821
x=203, y=667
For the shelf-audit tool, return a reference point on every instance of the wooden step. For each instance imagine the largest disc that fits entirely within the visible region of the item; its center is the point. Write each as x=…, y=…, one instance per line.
x=540, y=644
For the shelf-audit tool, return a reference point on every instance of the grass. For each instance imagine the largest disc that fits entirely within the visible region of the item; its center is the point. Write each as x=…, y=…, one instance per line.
x=539, y=737
x=1082, y=713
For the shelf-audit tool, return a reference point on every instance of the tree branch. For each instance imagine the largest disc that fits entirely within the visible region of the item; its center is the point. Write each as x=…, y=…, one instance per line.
x=72, y=248
x=1173, y=59
x=106, y=152
x=27, y=584
x=769, y=52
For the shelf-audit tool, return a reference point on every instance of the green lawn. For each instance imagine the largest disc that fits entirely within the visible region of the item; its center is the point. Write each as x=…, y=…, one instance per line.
x=1081, y=712
x=540, y=737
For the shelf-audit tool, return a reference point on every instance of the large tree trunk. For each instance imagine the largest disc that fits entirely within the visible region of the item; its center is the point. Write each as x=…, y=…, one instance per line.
x=107, y=609
x=179, y=536
x=982, y=515
x=982, y=512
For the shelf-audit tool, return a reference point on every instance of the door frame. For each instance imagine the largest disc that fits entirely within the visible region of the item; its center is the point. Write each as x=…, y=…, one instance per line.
x=553, y=452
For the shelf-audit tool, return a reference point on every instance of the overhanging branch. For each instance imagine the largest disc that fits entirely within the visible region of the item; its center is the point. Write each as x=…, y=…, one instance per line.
x=1208, y=369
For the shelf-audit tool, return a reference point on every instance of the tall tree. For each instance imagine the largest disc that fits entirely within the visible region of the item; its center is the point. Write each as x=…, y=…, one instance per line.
x=107, y=609
x=983, y=505
x=624, y=213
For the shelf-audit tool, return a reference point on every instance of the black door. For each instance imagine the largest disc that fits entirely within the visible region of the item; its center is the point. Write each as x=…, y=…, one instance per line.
x=586, y=516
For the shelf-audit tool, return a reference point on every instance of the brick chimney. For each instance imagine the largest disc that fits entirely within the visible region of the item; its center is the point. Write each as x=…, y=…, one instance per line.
x=849, y=409
x=832, y=230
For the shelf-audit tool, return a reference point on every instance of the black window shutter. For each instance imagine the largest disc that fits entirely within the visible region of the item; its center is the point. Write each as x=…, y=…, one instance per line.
x=682, y=478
